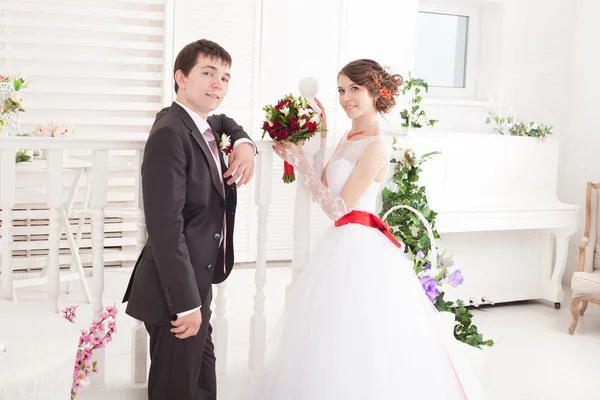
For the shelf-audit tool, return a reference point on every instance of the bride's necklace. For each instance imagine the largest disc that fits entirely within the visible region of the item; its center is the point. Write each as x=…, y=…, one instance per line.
x=351, y=135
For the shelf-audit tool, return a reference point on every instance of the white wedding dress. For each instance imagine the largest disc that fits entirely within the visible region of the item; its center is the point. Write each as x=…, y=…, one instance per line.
x=358, y=325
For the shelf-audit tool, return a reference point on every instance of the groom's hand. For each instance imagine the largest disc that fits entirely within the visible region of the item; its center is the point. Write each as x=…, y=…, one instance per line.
x=187, y=326
x=241, y=164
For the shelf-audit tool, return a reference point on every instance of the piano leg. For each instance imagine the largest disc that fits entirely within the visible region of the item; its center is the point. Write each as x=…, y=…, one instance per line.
x=553, y=288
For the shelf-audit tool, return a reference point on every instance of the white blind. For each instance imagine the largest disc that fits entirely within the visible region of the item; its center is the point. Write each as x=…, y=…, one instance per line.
x=97, y=65
x=235, y=25
x=94, y=64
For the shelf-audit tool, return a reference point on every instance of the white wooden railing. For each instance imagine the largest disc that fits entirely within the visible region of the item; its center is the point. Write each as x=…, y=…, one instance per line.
x=55, y=168
x=48, y=175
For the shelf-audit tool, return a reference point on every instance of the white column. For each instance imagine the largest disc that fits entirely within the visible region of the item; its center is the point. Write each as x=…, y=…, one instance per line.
x=258, y=322
x=98, y=203
x=139, y=335
x=55, y=205
x=7, y=201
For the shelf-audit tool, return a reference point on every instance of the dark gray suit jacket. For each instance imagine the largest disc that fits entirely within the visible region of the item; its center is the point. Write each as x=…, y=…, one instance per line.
x=183, y=206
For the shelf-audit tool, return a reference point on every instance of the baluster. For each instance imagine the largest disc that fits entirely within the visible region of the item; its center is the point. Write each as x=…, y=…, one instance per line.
x=98, y=203
x=301, y=232
x=55, y=205
x=258, y=322
x=221, y=329
x=139, y=335
x=7, y=201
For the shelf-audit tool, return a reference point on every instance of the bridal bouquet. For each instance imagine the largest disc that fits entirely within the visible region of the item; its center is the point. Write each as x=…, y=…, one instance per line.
x=292, y=120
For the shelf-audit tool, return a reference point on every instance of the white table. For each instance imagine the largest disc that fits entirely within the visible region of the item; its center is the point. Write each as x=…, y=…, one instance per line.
x=41, y=348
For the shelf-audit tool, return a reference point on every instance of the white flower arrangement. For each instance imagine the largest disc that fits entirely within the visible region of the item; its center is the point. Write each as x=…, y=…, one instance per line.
x=518, y=128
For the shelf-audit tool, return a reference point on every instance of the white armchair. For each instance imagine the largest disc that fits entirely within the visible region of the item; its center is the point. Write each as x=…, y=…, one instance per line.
x=586, y=281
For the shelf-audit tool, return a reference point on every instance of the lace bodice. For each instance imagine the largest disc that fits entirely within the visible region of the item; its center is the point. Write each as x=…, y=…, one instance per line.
x=340, y=166
x=342, y=163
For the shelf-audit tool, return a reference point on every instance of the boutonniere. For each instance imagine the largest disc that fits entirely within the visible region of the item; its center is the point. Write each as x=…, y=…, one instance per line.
x=224, y=143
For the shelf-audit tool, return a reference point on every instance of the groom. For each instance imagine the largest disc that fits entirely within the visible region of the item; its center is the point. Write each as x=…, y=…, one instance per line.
x=190, y=210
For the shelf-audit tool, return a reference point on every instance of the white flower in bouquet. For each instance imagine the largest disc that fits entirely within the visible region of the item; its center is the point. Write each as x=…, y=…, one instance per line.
x=301, y=112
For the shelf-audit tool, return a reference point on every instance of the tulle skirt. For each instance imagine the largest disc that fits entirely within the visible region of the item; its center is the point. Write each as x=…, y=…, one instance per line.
x=358, y=326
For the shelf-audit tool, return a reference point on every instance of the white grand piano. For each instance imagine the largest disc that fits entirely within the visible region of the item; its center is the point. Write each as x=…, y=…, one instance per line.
x=498, y=213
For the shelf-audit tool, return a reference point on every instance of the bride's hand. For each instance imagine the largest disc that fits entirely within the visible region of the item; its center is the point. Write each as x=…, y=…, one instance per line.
x=323, y=119
x=287, y=151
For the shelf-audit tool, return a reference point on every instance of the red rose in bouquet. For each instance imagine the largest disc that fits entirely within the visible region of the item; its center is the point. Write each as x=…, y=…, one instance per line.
x=292, y=120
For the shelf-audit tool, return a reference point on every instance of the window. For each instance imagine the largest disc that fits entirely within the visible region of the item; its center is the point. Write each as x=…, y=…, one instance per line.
x=446, y=49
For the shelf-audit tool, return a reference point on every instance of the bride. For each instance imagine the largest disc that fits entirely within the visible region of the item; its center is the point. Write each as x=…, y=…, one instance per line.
x=358, y=325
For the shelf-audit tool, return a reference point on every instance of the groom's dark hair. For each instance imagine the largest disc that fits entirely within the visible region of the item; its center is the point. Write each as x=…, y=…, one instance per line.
x=188, y=56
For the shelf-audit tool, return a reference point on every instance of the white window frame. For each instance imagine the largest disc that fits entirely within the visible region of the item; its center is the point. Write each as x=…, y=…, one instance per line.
x=472, y=47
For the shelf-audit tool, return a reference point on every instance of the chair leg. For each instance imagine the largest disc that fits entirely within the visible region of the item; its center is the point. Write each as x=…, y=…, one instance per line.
x=584, y=305
x=575, y=314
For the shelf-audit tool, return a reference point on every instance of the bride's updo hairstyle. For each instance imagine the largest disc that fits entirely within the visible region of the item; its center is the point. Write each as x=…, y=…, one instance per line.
x=383, y=85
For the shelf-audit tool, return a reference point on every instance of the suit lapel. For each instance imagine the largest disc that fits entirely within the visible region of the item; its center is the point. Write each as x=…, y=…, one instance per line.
x=195, y=132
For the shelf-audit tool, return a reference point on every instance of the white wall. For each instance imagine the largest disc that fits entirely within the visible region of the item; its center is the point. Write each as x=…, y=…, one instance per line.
x=383, y=30
x=580, y=151
x=536, y=53
x=549, y=67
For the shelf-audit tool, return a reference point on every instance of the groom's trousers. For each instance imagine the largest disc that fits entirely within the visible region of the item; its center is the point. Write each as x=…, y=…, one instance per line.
x=182, y=369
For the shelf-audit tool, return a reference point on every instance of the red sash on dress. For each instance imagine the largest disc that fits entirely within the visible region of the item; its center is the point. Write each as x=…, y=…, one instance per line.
x=367, y=219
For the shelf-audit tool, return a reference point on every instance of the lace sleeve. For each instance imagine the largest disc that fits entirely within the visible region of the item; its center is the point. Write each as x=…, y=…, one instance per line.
x=333, y=206
x=320, y=159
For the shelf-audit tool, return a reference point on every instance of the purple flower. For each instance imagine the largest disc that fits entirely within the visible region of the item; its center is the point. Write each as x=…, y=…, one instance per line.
x=430, y=286
x=420, y=254
x=455, y=279
x=426, y=267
